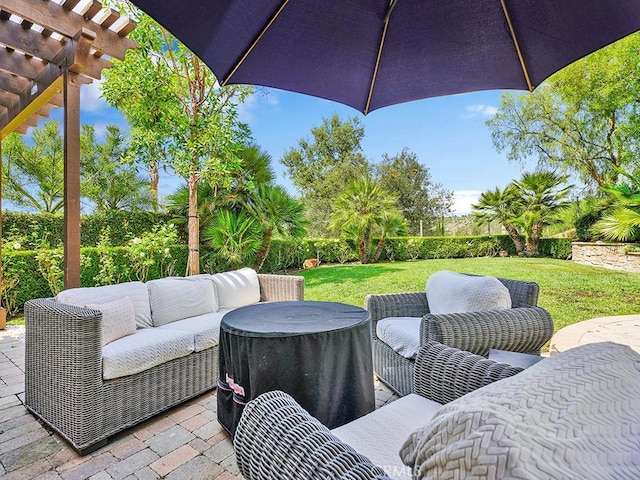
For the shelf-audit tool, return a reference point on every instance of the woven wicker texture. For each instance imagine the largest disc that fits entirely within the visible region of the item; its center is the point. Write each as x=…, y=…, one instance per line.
x=524, y=328
x=64, y=385
x=277, y=439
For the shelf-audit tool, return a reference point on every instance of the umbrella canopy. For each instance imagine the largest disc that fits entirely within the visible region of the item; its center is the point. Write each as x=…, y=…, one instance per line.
x=373, y=53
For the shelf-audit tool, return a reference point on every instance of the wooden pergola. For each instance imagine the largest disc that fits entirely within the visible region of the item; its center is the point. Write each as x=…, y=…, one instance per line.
x=48, y=49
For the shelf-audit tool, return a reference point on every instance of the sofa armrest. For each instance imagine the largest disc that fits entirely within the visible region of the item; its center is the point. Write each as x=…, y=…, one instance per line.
x=63, y=355
x=277, y=438
x=412, y=304
x=444, y=373
x=280, y=288
x=523, y=330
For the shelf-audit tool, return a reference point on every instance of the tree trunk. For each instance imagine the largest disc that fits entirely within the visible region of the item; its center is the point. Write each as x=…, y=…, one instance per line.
x=193, y=265
x=366, y=245
x=532, y=242
x=154, y=178
x=516, y=238
x=264, y=250
x=378, y=252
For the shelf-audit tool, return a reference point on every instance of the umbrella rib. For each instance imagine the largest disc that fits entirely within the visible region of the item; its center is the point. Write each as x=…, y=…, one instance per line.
x=392, y=5
x=255, y=42
x=515, y=42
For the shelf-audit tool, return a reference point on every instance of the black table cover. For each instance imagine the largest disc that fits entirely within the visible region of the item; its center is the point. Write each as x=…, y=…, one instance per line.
x=318, y=352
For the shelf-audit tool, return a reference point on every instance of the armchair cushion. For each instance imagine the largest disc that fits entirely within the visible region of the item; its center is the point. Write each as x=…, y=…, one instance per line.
x=372, y=436
x=451, y=292
x=401, y=333
x=516, y=359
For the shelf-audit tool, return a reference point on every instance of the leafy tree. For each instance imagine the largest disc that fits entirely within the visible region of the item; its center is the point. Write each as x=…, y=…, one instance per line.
x=418, y=197
x=583, y=121
x=108, y=180
x=504, y=207
x=540, y=195
x=179, y=114
x=322, y=167
x=276, y=212
x=391, y=224
x=33, y=176
x=363, y=206
x=622, y=221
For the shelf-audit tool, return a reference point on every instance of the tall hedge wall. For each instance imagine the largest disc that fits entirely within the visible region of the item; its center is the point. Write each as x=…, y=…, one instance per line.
x=32, y=230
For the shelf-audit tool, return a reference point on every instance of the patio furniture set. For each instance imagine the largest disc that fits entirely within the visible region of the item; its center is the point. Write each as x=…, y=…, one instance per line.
x=288, y=368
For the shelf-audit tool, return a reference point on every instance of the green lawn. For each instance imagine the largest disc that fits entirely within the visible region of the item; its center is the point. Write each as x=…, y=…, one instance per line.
x=569, y=291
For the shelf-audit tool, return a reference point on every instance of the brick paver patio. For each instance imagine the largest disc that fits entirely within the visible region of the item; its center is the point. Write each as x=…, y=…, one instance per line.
x=183, y=443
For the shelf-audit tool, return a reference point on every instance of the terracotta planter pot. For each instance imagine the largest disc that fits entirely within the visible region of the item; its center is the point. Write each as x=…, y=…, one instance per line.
x=3, y=318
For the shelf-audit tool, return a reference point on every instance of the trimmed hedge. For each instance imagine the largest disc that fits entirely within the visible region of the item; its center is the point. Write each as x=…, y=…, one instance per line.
x=33, y=231
x=104, y=265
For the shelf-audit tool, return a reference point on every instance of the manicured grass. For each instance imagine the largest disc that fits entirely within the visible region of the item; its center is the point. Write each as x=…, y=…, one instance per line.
x=569, y=291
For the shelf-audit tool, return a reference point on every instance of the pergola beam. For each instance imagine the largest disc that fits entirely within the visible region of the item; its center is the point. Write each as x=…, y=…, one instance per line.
x=53, y=16
x=13, y=62
x=28, y=41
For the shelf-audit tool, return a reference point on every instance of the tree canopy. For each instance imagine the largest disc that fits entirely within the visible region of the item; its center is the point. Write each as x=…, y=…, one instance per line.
x=583, y=121
x=179, y=114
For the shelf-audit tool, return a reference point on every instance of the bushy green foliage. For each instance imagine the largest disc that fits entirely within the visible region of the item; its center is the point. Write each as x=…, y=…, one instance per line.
x=30, y=231
x=555, y=248
x=584, y=225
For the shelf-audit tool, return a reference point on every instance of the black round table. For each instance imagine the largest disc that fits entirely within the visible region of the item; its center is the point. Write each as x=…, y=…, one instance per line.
x=318, y=352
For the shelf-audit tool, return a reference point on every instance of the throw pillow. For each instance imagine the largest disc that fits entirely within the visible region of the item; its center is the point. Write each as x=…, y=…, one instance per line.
x=118, y=318
x=451, y=292
x=238, y=288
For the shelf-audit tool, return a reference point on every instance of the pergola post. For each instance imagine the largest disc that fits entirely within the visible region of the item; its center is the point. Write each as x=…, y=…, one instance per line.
x=71, y=179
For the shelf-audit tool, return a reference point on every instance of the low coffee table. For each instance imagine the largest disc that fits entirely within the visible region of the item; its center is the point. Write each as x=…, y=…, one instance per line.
x=318, y=352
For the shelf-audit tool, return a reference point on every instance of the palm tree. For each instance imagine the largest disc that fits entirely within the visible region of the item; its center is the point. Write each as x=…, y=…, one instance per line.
x=391, y=224
x=235, y=236
x=501, y=206
x=276, y=211
x=622, y=223
x=361, y=207
x=541, y=196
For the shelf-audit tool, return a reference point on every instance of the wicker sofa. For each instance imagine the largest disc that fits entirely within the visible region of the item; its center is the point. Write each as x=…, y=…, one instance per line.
x=88, y=391
x=277, y=439
x=523, y=328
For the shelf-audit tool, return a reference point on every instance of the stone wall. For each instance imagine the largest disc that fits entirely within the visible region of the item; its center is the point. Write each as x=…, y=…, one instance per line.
x=608, y=255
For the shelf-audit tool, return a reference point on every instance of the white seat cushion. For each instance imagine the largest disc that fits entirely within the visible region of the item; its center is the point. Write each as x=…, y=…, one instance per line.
x=136, y=291
x=204, y=328
x=146, y=348
x=118, y=318
x=380, y=434
x=400, y=333
x=451, y=292
x=515, y=359
x=176, y=298
x=238, y=288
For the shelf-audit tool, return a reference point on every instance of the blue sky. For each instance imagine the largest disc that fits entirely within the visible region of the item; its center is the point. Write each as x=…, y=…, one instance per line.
x=447, y=133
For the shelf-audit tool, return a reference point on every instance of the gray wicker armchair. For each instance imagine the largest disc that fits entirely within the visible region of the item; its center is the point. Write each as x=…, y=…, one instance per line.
x=278, y=439
x=524, y=328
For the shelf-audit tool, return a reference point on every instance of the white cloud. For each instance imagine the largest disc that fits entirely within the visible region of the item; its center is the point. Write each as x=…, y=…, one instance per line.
x=463, y=199
x=480, y=110
x=90, y=100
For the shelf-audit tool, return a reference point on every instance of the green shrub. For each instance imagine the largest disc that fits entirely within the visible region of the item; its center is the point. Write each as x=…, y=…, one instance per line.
x=555, y=248
x=584, y=226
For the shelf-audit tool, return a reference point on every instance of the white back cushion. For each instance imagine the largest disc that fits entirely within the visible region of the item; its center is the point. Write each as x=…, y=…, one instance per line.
x=237, y=288
x=400, y=333
x=176, y=298
x=136, y=291
x=451, y=292
x=118, y=318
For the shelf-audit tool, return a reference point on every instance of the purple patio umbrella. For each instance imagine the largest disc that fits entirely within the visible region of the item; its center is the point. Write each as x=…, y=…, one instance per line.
x=372, y=53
